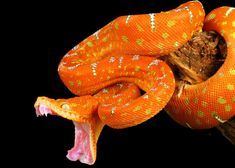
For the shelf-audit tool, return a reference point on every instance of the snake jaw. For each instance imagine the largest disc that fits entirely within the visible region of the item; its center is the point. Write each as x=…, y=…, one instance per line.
x=42, y=110
x=79, y=109
x=82, y=146
x=86, y=137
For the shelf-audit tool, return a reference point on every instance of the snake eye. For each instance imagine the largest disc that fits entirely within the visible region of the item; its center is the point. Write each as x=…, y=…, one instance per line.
x=65, y=106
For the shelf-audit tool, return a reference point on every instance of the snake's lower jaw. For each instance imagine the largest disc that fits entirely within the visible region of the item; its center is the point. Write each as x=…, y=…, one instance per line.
x=86, y=136
x=87, y=130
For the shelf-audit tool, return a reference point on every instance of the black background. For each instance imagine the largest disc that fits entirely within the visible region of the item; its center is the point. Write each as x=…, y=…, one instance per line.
x=42, y=33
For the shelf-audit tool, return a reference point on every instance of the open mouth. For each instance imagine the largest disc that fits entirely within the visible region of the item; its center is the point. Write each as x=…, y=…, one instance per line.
x=82, y=144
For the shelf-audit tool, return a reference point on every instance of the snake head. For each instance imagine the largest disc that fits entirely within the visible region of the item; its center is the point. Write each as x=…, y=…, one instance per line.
x=83, y=112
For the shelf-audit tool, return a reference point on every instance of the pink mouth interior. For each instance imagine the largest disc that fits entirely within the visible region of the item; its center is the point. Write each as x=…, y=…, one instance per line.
x=81, y=150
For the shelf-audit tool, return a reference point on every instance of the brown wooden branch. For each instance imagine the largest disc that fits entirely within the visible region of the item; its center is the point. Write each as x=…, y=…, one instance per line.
x=198, y=59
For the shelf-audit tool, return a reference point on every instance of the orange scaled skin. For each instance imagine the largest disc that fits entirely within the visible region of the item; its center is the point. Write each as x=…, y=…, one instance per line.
x=212, y=102
x=125, y=50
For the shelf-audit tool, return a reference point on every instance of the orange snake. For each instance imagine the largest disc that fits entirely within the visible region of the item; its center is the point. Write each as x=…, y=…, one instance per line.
x=108, y=69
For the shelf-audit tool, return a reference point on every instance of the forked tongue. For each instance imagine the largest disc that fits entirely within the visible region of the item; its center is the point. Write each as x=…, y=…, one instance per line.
x=82, y=149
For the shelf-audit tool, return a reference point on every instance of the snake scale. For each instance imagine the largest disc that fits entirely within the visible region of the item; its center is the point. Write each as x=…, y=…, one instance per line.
x=108, y=70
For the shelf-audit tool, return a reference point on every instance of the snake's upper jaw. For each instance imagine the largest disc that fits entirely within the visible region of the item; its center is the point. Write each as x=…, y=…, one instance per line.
x=87, y=124
x=42, y=110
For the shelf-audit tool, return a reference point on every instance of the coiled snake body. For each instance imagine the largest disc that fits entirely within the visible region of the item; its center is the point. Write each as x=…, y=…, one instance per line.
x=108, y=69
